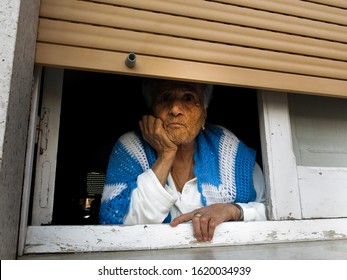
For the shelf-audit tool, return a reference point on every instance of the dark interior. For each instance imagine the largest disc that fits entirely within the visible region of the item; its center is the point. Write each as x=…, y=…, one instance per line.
x=96, y=109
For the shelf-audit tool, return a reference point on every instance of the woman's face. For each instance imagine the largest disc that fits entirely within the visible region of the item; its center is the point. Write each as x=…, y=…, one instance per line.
x=180, y=106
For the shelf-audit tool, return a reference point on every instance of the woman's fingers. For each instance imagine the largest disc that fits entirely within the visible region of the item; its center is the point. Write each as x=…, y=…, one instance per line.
x=154, y=133
x=203, y=225
x=182, y=219
x=205, y=220
x=197, y=230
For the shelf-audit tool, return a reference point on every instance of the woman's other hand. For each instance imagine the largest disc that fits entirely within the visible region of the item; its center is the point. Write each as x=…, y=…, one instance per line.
x=206, y=219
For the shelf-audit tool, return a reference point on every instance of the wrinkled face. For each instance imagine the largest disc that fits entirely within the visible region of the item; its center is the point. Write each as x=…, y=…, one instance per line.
x=180, y=106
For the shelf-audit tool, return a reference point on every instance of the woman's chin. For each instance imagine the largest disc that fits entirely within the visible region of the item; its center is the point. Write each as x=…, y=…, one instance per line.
x=177, y=138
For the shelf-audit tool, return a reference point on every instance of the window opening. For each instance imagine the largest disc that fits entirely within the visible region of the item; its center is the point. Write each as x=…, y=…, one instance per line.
x=96, y=109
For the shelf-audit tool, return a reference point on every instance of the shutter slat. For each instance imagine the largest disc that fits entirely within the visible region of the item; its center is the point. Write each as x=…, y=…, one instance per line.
x=296, y=8
x=210, y=11
x=234, y=14
x=67, y=33
x=113, y=62
x=333, y=3
x=192, y=28
x=298, y=46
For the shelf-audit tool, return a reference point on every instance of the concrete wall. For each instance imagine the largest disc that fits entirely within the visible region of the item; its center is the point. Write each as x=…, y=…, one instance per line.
x=18, y=30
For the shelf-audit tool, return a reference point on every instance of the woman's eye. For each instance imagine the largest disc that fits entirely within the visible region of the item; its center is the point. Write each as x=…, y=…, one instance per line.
x=189, y=98
x=165, y=97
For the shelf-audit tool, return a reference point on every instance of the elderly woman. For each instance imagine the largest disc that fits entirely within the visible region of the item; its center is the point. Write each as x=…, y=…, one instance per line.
x=178, y=168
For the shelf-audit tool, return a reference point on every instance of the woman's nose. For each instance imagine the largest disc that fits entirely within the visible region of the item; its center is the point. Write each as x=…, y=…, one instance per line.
x=175, y=105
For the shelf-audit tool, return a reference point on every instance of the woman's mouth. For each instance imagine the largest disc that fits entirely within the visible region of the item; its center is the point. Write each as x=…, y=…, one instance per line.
x=175, y=125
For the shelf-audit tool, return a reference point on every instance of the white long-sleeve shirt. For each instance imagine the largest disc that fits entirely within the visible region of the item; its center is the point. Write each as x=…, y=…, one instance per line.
x=151, y=202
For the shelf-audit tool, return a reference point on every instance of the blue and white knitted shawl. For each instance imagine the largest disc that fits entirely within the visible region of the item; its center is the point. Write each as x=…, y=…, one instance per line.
x=223, y=166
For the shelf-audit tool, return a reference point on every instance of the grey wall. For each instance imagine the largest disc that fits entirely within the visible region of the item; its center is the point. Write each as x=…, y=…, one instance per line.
x=18, y=30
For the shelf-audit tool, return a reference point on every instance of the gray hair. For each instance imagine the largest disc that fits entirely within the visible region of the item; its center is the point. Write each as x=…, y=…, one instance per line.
x=150, y=85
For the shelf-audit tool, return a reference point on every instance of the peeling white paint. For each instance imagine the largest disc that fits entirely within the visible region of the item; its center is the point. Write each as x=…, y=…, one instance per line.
x=64, y=239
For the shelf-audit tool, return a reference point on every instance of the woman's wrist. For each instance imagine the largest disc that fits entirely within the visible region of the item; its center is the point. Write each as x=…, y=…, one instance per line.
x=241, y=216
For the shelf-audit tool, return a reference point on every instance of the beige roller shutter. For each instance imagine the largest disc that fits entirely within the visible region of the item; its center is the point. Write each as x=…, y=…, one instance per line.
x=298, y=46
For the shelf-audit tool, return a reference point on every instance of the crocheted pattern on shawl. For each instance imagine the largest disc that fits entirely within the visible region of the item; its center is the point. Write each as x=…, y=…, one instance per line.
x=223, y=166
x=228, y=175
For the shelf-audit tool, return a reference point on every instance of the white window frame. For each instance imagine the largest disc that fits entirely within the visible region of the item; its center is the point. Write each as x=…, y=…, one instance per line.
x=283, y=182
